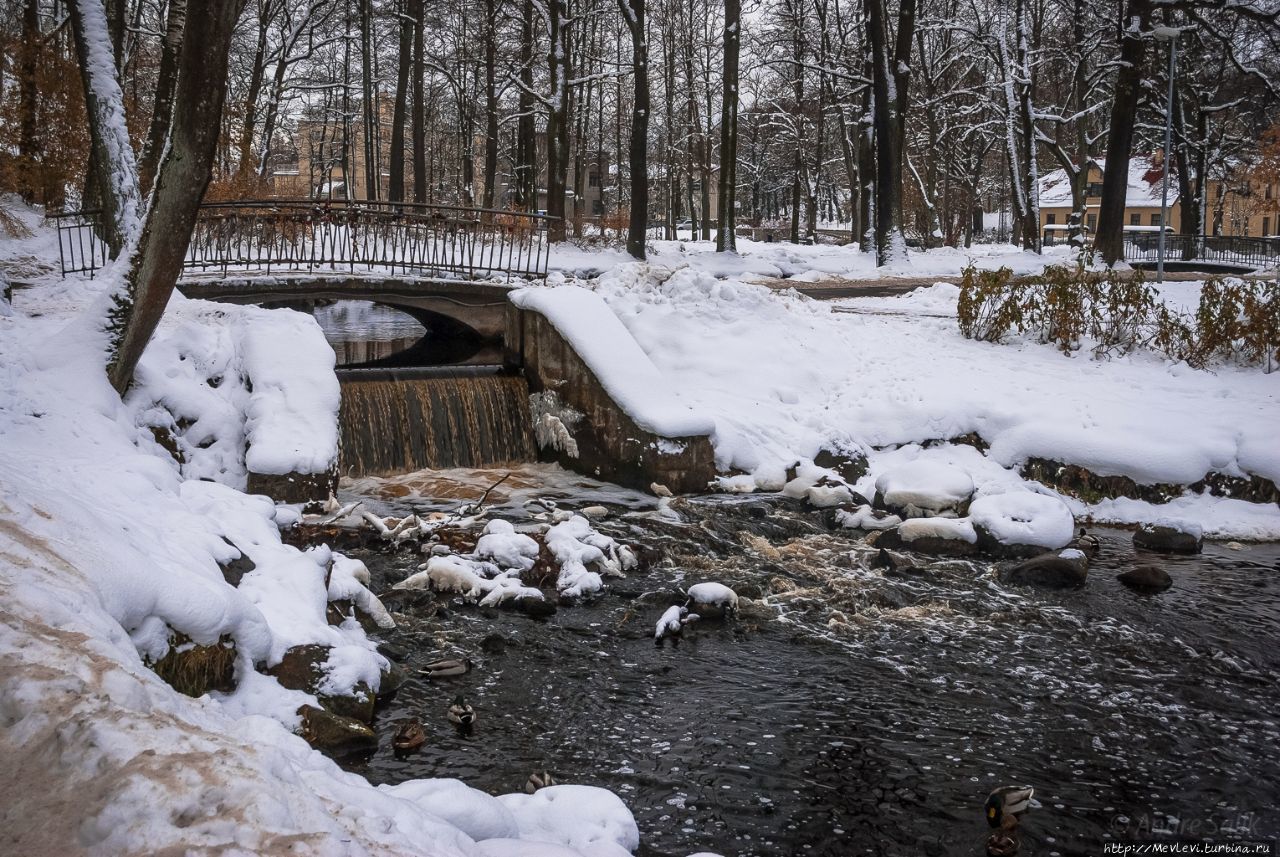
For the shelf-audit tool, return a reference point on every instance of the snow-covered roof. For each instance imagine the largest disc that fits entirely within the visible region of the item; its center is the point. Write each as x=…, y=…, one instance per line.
x=1144, y=185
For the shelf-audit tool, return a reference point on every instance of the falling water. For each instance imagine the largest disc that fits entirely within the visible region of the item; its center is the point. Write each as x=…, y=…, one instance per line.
x=399, y=422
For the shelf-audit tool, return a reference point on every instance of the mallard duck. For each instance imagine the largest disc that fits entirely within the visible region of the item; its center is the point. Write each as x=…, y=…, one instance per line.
x=409, y=736
x=1003, y=807
x=461, y=714
x=1005, y=842
x=1089, y=545
x=447, y=668
x=538, y=780
x=1008, y=802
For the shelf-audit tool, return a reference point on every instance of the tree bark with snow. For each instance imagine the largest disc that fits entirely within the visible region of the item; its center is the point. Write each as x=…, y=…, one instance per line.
x=152, y=244
x=890, y=76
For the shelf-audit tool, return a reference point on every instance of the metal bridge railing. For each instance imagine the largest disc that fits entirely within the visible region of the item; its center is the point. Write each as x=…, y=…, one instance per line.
x=280, y=236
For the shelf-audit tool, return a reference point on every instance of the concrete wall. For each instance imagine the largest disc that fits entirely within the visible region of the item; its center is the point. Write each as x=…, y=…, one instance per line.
x=609, y=444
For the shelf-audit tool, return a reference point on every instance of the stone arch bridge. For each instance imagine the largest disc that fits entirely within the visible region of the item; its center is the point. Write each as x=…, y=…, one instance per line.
x=448, y=266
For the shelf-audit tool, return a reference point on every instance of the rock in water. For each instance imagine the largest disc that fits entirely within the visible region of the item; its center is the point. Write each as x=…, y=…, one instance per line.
x=1056, y=570
x=1152, y=578
x=1169, y=538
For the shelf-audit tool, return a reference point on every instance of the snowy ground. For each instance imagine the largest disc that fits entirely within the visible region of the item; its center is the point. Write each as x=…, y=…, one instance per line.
x=816, y=263
x=106, y=542
x=108, y=545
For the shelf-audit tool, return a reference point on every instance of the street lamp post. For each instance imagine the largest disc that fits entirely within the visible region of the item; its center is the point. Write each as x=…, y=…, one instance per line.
x=1170, y=35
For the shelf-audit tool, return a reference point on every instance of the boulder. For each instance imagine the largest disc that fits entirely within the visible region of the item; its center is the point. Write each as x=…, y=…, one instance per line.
x=937, y=536
x=924, y=489
x=335, y=734
x=1169, y=538
x=850, y=466
x=896, y=564
x=302, y=668
x=196, y=670
x=1021, y=523
x=534, y=608
x=1150, y=578
x=1054, y=570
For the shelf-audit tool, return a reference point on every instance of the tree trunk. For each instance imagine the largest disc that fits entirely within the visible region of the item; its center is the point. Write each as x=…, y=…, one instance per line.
x=1109, y=240
x=490, y=105
x=526, y=168
x=633, y=12
x=258, y=72
x=115, y=177
x=726, y=240
x=417, y=11
x=558, y=65
x=404, y=60
x=370, y=107
x=28, y=62
x=154, y=245
x=890, y=93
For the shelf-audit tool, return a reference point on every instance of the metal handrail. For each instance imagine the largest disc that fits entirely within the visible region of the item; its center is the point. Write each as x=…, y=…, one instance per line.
x=419, y=240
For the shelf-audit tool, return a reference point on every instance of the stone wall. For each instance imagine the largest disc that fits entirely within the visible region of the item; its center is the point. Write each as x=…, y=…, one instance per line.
x=579, y=425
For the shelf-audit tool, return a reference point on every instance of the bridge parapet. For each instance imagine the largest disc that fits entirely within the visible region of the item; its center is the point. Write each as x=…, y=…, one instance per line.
x=277, y=237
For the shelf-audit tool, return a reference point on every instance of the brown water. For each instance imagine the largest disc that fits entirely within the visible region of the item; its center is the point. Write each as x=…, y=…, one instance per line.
x=453, y=420
x=852, y=711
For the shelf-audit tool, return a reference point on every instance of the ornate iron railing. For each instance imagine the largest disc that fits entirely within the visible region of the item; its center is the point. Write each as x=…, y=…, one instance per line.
x=286, y=236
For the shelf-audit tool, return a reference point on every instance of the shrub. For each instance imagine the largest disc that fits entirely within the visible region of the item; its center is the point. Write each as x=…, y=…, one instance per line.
x=1235, y=321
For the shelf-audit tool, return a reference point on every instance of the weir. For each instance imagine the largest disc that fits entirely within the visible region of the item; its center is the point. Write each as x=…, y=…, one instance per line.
x=400, y=420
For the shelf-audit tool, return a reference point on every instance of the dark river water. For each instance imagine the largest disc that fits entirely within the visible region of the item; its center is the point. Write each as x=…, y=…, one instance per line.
x=850, y=711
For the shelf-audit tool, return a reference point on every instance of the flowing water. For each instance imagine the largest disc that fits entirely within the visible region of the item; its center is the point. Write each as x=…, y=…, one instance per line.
x=394, y=421
x=851, y=710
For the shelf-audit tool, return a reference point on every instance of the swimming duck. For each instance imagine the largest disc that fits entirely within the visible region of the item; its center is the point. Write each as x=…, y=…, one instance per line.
x=447, y=668
x=1008, y=802
x=1088, y=544
x=538, y=780
x=1003, y=807
x=461, y=714
x=409, y=736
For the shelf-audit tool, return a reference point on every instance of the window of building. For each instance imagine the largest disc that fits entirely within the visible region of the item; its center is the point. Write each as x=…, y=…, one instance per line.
x=1135, y=219
x=1268, y=192
x=1094, y=189
x=593, y=179
x=1050, y=219
x=1266, y=226
x=1155, y=220
x=597, y=207
x=1092, y=223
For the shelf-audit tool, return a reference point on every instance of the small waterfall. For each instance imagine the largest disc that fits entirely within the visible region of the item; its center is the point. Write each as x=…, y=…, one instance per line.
x=396, y=421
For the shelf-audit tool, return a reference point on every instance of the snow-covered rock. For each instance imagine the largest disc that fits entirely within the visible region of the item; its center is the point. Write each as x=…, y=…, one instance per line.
x=1023, y=519
x=923, y=488
x=713, y=595
x=504, y=546
x=477, y=814
x=588, y=819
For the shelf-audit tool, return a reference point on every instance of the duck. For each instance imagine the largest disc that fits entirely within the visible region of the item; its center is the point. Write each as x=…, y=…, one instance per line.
x=447, y=668
x=1088, y=544
x=1007, y=802
x=409, y=736
x=1004, y=805
x=461, y=714
x=538, y=780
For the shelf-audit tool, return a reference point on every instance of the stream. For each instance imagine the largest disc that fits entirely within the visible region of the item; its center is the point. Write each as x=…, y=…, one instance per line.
x=850, y=709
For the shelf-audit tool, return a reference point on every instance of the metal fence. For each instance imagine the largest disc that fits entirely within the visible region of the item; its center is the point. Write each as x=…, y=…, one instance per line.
x=1246, y=252
x=282, y=236
x=1221, y=249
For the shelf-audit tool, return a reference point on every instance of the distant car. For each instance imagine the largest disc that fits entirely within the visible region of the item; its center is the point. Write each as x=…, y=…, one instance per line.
x=684, y=224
